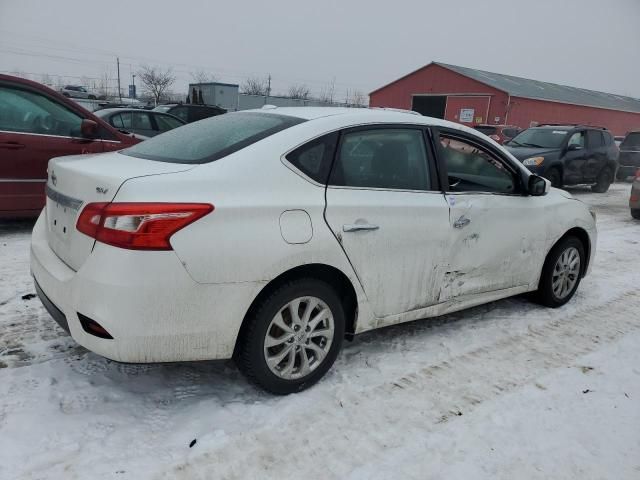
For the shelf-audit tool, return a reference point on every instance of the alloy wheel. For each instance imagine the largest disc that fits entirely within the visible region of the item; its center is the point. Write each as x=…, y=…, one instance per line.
x=566, y=273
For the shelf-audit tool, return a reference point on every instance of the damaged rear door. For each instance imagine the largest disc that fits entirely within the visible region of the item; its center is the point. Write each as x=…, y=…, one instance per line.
x=392, y=222
x=497, y=232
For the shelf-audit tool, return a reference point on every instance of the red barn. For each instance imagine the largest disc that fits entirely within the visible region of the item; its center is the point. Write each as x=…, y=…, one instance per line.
x=472, y=97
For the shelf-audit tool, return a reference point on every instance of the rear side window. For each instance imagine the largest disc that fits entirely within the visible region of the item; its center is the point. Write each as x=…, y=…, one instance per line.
x=166, y=122
x=631, y=141
x=212, y=138
x=608, y=138
x=382, y=158
x=594, y=138
x=314, y=158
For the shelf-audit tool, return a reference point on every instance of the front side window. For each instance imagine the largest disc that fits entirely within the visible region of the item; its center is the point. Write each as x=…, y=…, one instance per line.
x=212, y=138
x=392, y=158
x=577, y=140
x=141, y=121
x=471, y=168
x=25, y=111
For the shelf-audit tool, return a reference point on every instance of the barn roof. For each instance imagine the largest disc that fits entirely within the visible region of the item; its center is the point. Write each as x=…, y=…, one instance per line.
x=527, y=88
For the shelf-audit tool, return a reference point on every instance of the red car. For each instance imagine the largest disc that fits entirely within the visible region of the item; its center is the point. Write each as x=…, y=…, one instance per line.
x=37, y=124
x=499, y=133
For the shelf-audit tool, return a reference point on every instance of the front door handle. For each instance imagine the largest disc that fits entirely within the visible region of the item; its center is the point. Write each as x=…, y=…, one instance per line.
x=12, y=145
x=461, y=222
x=357, y=227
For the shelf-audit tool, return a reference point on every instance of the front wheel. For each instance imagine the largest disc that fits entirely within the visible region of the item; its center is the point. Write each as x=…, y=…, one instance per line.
x=293, y=337
x=561, y=272
x=603, y=182
x=635, y=213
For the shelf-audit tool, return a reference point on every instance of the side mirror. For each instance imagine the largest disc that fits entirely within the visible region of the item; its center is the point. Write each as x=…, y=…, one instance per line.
x=538, y=186
x=88, y=128
x=573, y=147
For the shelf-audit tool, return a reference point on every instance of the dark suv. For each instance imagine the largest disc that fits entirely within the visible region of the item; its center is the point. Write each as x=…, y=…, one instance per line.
x=190, y=112
x=568, y=154
x=629, y=159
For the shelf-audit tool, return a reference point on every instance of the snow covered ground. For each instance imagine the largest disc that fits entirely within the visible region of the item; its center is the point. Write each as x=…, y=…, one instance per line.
x=508, y=390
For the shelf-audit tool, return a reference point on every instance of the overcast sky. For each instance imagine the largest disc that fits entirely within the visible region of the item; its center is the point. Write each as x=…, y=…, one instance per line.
x=362, y=44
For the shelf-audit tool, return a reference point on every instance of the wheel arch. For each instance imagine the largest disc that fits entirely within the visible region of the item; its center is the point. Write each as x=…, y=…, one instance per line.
x=582, y=235
x=329, y=274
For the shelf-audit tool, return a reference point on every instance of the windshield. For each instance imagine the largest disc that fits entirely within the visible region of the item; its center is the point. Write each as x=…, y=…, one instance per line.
x=631, y=141
x=212, y=138
x=539, y=138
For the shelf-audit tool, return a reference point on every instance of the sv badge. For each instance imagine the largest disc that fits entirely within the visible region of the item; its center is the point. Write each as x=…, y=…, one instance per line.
x=102, y=190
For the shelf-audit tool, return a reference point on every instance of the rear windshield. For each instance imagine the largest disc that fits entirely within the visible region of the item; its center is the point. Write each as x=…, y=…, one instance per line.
x=631, y=141
x=212, y=138
x=487, y=130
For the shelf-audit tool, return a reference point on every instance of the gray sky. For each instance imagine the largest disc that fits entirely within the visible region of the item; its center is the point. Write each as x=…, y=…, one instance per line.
x=362, y=44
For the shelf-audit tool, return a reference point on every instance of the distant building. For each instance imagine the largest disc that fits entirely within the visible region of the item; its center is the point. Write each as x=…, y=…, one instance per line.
x=223, y=95
x=472, y=97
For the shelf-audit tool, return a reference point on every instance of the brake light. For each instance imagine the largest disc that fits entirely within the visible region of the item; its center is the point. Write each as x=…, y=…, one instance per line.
x=138, y=226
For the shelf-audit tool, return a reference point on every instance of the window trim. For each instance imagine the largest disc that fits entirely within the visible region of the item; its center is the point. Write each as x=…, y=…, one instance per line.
x=518, y=176
x=434, y=184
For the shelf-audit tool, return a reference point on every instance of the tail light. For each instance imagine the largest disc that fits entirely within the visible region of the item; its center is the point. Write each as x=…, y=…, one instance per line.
x=138, y=226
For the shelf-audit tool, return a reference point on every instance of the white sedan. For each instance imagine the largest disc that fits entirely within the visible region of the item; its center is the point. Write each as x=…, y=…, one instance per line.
x=269, y=236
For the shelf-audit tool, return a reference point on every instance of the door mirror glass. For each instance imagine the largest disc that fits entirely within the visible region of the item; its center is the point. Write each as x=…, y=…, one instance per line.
x=538, y=186
x=88, y=128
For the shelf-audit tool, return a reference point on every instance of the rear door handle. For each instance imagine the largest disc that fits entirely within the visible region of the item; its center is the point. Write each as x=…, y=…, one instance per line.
x=12, y=145
x=357, y=227
x=461, y=222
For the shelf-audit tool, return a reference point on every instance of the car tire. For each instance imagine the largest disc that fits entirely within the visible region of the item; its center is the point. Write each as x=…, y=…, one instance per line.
x=635, y=213
x=276, y=363
x=603, y=182
x=558, y=267
x=554, y=175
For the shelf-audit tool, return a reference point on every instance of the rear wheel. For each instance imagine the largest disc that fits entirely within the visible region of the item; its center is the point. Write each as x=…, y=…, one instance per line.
x=554, y=175
x=603, y=182
x=293, y=337
x=561, y=272
x=635, y=213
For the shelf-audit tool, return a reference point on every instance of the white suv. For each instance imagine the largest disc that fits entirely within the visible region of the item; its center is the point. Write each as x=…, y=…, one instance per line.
x=76, y=91
x=270, y=235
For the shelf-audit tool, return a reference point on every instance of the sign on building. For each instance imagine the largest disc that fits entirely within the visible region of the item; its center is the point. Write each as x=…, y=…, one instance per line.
x=466, y=115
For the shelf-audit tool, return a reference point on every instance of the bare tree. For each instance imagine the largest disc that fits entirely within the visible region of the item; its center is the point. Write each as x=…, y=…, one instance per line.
x=255, y=86
x=299, y=91
x=201, y=76
x=328, y=92
x=356, y=98
x=156, y=81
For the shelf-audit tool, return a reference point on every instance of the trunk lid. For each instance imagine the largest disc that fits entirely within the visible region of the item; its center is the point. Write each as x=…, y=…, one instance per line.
x=73, y=182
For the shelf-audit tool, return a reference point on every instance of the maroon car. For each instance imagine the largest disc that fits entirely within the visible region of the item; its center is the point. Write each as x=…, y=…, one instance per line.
x=37, y=124
x=499, y=133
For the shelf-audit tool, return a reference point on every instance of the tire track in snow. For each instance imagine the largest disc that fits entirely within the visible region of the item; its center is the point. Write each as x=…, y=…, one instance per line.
x=415, y=403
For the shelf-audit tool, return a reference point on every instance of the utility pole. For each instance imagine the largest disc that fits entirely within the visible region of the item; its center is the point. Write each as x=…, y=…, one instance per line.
x=119, y=90
x=268, y=90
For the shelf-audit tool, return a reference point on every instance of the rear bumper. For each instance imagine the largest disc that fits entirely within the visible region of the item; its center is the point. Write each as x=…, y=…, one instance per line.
x=148, y=303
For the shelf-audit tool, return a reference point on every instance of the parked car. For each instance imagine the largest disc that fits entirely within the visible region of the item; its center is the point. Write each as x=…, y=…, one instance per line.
x=568, y=154
x=634, y=198
x=499, y=133
x=37, y=123
x=140, y=122
x=77, y=91
x=629, y=159
x=270, y=235
x=190, y=112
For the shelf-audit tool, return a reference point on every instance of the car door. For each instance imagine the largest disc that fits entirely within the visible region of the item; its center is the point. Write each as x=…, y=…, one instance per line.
x=497, y=233
x=575, y=158
x=33, y=129
x=596, y=155
x=385, y=209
